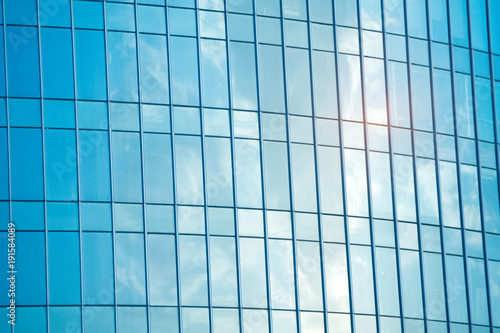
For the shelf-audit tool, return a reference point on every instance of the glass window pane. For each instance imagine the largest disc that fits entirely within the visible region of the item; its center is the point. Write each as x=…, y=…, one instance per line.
x=193, y=270
x=356, y=183
x=376, y=111
x=450, y=205
x=127, y=179
x=97, y=268
x=443, y=103
x=417, y=19
x=30, y=259
x=438, y=20
x=158, y=168
x=64, y=268
x=163, y=320
x=404, y=187
x=398, y=94
x=130, y=269
x=304, y=178
x=195, y=320
x=57, y=63
x=434, y=287
x=477, y=291
x=281, y=270
x=248, y=173
x=459, y=26
x=189, y=170
x=243, y=78
x=122, y=66
x=98, y=319
x=90, y=65
x=298, y=81
x=421, y=98
x=427, y=191
x=162, y=270
x=330, y=180
x=336, y=282
x=309, y=276
x=214, y=73
x=410, y=284
x=276, y=178
x=456, y=292
x=470, y=197
x=253, y=273
x=350, y=87
x=225, y=320
x=271, y=78
x=325, y=85
x=131, y=320
x=362, y=279
x=381, y=188
x=218, y=171
x=394, y=16
x=154, y=71
x=346, y=13
x=491, y=212
x=184, y=67
x=224, y=289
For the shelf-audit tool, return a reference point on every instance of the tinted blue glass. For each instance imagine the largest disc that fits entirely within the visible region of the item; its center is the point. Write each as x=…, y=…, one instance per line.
x=243, y=78
x=214, y=73
x=491, y=210
x=223, y=271
x=164, y=320
x=154, y=72
x=184, y=71
x=62, y=216
x=325, y=85
x=494, y=26
x=346, y=12
x=94, y=165
x=90, y=65
x=30, y=259
x=64, y=318
x=443, y=102
x=98, y=319
x=4, y=165
x=21, y=13
x=23, y=77
x=478, y=25
x=31, y=319
x=24, y=112
x=28, y=215
x=271, y=79
x=151, y=19
x=54, y=13
x=97, y=268
x=26, y=164
x=131, y=319
x=59, y=114
x=193, y=269
x=477, y=291
x=438, y=20
x=458, y=14
x=60, y=165
x=218, y=172
x=162, y=270
x=127, y=174
x=130, y=268
x=463, y=105
x=88, y=14
x=484, y=111
x=64, y=268
x=122, y=66
x=276, y=175
x=158, y=168
x=92, y=115
x=189, y=170
x=120, y=17
x=182, y=21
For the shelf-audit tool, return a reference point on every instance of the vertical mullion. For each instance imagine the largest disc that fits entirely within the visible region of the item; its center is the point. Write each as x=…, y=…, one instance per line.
x=233, y=169
x=342, y=170
x=202, y=138
x=77, y=148
x=172, y=146
x=261, y=155
x=143, y=188
x=290, y=175
x=478, y=160
x=391, y=169
x=414, y=158
x=9, y=183
x=46, y=231
x=436, y=164
x=110, y=141
x=367, y=165
x=458, y=163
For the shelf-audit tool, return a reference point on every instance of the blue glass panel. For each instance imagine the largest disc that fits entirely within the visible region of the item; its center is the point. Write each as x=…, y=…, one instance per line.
x=23, y=77
x=94, y=165
x=4, y=165
x=57, y=64
x=241, y=6
x=60, y=165
x=416, y=17
x=62, y=216
x=92, y=115
x=463, y=105
x=394, y=16
x=253, y=273
x=88, y=14
x=443, y=102
x=28, y=215
x=303, y=178
x=272, y=89
x=151, y=19
x=97, y=267
x=127, y=173
x=248, y=173
x=243, y=77
x=122, y=66
x=162, y=270
x=491, y=210
x=438, y=20
x=240, y=27
x=65, y=319
x=268, y=7
x=434, y=287
x=130, y=268
x=455, y=280
x=470, y=197
x=362, y=280
x=459, y=26
x=350, y=87
x=223, y=272
x=90, y=64
x=277, y=187
x=182, y=21
x=325, y=85
x=189, y=170
x=336, y=282
x=195, y=320
x=214, y=73
x=98, y=319
x=371, y=16
x=478, y=25
x=484, y=110
x=225, y=320
x=346, y=13
x=356, y=183
x=163, y=320
x=221, y=221
x=494, y=26
x=494, y=283
x=131, y=320
x=410, y=284
x=298, y=81
x=21, y=13
x=375, y=100
x=31, y=319
x=64, y=268
x=193, y=270
x=128, y=217
x=120, y=17
x=381, y=191
x=218, y=172
x=30, y=260
x=158, y=168
x=477, y=291
x=449, y=194
x=26, y=164
x=184, y=71
x=59, y=114
x=124, y=116
x=24, y=112
x=154, y=71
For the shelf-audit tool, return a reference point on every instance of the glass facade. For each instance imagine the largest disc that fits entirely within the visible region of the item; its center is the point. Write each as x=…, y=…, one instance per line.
x=253, y=166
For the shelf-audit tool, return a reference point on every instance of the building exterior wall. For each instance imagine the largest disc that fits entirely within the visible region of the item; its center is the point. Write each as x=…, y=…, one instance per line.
x=262, y=166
